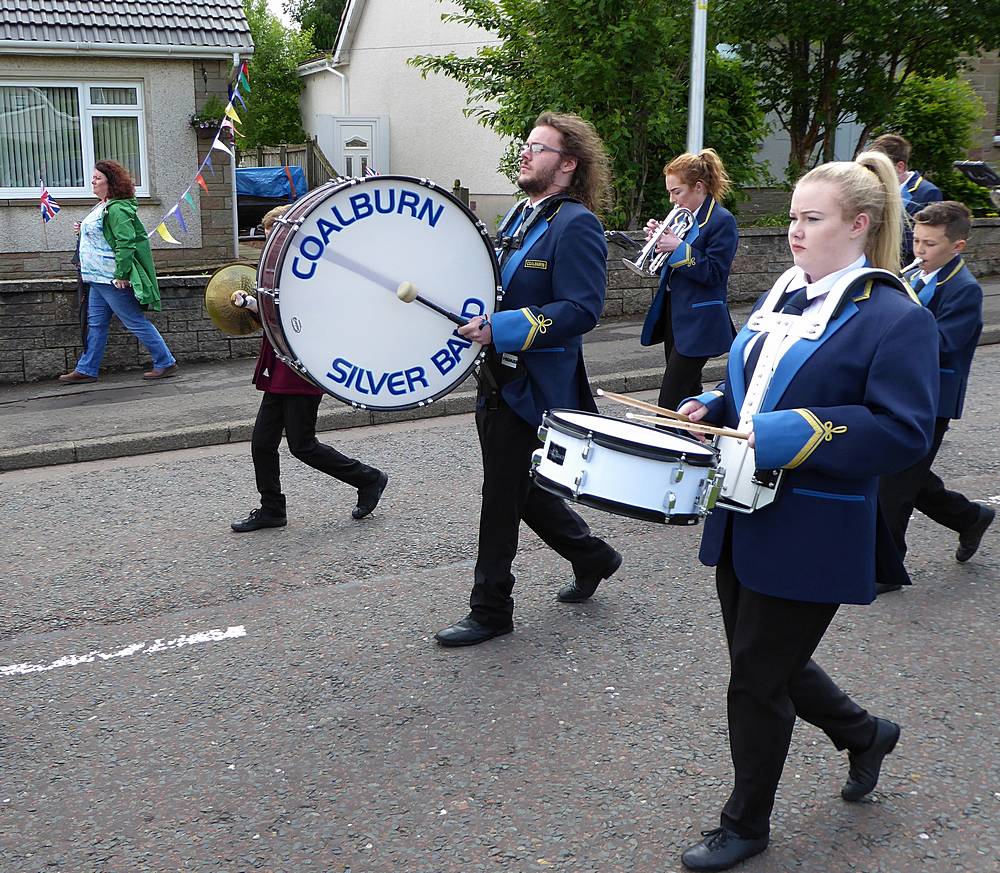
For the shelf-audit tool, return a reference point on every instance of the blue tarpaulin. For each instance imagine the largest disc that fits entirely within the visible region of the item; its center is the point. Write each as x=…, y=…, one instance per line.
x=284, y=183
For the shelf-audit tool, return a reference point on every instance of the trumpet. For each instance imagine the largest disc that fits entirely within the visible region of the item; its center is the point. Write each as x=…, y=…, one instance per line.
x=649, y=262
x=915, y=263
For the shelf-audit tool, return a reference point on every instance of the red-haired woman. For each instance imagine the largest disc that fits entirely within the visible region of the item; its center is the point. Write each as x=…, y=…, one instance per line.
x=690, y=313
x=117, y=264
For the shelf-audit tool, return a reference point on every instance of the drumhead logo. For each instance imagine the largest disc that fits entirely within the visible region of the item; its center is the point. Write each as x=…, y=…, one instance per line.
x=296, y=325
x=362, y=205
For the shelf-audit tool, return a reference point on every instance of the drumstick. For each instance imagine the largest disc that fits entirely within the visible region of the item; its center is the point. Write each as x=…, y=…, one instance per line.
x=407, y=292
x=641, y=404
x=690, y=425
x=385, y=282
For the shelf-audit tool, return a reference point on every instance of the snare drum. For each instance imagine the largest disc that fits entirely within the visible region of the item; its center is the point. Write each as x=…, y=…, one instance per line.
x=327, y=282
x=626, y=468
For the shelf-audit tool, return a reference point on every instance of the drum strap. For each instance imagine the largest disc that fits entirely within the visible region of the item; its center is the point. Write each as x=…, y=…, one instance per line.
x=508, y=243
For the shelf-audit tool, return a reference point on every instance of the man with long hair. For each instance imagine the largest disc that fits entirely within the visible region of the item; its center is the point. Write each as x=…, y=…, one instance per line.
x=553, y=259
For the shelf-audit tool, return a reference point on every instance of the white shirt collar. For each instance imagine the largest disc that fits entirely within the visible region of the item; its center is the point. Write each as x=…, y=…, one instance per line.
x=909, y=178
x=534, y=204
x=928, y=276
x=822, y=286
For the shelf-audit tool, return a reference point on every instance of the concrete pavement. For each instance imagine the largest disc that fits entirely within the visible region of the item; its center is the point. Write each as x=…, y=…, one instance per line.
x=47, y=423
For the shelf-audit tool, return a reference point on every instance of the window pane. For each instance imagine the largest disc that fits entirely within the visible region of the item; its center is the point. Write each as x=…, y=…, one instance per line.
x=349, y=165
x=114, y=96
x=40, y=137
x=117, y=139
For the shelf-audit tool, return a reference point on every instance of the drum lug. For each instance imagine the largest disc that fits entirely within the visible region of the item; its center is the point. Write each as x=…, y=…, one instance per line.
x=536, y=458
x=711, y=489
x=543, y=433
x=581, y=477
x=670, y=502
x=585, y=453
x=678, y=474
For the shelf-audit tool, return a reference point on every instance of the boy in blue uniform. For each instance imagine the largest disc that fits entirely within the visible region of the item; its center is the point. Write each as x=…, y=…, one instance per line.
x=947, y=288
x=553, y=263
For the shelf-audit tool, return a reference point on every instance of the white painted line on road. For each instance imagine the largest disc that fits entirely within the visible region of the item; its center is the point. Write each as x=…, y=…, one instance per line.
x=158, y=645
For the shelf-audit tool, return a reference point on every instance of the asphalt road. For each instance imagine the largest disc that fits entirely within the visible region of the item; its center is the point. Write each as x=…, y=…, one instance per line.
x=320, y=728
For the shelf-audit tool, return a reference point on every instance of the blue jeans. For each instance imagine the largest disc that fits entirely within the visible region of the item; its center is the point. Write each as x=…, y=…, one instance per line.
x=105, y=300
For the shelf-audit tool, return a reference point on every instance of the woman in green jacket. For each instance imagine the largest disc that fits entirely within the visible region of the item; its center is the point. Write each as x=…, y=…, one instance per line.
x=117, y=264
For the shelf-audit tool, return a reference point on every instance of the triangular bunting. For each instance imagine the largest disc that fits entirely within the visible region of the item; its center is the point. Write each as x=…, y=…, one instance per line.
x=244, y=82
x=222, y=147
x=231, y=113
x=201, y=181
x=235, y=95
x=179, y=215
x=208, y=159
x=161, y=229
x=190, y=200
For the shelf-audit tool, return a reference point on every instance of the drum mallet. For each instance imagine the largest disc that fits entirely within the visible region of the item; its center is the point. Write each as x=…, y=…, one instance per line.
x=407, y=292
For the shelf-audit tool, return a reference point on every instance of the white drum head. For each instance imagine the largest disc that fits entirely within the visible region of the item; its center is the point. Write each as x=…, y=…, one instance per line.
x=336, y=291
x=631, y=432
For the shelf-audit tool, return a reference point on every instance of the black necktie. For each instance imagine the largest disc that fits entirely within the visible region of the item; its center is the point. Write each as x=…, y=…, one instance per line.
x=919, y=286
x=752, y=359
x=526, y=214
x=795, y=302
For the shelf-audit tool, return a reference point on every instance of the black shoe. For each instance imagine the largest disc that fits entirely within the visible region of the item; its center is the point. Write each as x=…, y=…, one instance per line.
x=865, y=766
x=369, y=496
x=469, y=632
x=885, y=588
x=583, y=588
x=258, y=519
x=968, y=542
x=722, y=849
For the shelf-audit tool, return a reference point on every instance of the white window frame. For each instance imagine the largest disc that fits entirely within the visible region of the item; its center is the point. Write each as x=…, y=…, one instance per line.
x=87, y=112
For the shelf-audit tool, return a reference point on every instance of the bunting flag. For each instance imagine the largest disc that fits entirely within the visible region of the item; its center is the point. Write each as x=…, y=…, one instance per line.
x=178, y=213
x=229, y=122
x=161, y=229
x=371, y=171
x=221, y=146
x=49, y=206
x=235, y=95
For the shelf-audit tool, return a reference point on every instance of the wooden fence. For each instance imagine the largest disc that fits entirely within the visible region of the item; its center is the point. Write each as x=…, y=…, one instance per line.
x=307, y=155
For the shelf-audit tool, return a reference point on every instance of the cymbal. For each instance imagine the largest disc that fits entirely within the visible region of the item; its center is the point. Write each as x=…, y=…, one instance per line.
x=231, y=319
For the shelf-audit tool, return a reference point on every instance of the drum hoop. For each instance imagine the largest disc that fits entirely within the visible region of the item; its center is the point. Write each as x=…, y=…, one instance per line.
x=705, y=456
x=281, y=241
x=628, y=510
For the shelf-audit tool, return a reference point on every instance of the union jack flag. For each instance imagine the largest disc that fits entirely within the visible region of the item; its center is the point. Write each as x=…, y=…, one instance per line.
x=49, y=206
x=371, y=171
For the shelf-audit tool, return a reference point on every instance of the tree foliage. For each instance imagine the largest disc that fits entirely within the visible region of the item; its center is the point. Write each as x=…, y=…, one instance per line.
x=623, y=66
x=272, y=114
x=822, y=62
x=939, y=116
x=320, y=16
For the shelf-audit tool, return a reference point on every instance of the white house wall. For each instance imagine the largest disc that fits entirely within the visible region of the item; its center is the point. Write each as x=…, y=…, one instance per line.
x=429, y=135
x=170, y=142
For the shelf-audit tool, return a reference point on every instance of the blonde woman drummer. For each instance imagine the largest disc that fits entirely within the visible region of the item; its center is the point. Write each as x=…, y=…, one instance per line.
x=290, y=405
x=690, y=312
x=839, y=411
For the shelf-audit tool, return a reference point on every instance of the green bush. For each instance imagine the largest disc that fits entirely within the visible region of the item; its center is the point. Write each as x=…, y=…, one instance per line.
x=940, y=117
x=955, y=186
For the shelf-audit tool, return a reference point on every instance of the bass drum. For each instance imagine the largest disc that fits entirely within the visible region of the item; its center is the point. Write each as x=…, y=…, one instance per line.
x=327, y=290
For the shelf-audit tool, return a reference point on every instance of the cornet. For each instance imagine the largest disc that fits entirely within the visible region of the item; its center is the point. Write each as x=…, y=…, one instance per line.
x=649, y=262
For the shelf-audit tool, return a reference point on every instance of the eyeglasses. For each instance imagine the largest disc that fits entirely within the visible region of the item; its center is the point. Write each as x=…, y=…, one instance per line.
x=536, y=148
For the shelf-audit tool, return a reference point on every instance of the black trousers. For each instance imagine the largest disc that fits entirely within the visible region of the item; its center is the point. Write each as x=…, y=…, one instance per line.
x=919, y=487
x=510, y=497
x=295, y=415
x=682, y=376
x=773, y=680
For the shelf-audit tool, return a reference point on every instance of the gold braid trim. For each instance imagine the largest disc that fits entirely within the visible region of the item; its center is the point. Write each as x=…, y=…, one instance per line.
x=822, y=432
x=539, y=324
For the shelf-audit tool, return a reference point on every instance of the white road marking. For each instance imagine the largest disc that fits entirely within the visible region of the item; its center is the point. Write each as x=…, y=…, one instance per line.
x=158, y=645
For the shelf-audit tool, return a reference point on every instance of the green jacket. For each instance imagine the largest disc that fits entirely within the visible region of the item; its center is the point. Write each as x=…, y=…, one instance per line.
x=133, y=255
